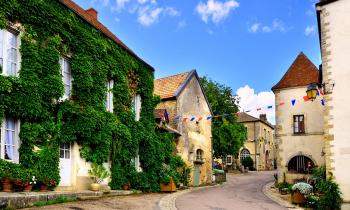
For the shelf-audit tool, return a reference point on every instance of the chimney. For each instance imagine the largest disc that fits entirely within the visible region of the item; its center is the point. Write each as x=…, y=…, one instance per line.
x=263, y=117
x=92, y=12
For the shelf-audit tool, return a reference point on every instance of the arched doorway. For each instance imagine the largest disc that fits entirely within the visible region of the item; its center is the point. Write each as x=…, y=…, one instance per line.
x=244, y=154
x=301, y=164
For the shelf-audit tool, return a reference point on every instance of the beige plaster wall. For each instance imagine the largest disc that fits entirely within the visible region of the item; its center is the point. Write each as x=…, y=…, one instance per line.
x=258, y=148
x=288, y=144
x=335, y=24
x=191, y=102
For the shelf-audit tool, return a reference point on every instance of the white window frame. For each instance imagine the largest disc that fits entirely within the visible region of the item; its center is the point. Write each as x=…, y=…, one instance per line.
x=136, y=106
x=16, y=140
x=136, y=162
x=244, y=154
x=109, y=96
x=62, y=61
x=229, y=157
x=3, y=42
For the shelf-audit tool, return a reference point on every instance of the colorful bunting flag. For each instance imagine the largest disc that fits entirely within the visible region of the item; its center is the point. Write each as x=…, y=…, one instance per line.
x=306, y=98
x=258, y=109
x=192, y=119
x=269, y=107
x=208, y=118
x=199, y=119
x=281, y=104
x=293, y=102
x=322, y=101
x=184, y=119
x=177, y=118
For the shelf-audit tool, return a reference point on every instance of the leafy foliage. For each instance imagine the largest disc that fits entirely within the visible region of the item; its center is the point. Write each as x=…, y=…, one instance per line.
x=228, y=134
x=98, y=173
x=52, y=30
x=247, y=162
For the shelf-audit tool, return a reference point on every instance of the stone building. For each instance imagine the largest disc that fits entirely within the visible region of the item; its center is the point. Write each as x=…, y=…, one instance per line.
x=299, y=123
x=334, y=31
x=183, y=98
x=259, y=144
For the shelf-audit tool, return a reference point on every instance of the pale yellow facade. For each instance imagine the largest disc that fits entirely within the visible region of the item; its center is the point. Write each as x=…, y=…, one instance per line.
x=260, y=144
x=334, y=29
x=289, y=144
x=195, y=136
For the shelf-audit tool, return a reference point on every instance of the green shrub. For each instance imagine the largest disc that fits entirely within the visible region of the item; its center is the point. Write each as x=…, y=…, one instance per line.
x=329, y=192
x=248, y=162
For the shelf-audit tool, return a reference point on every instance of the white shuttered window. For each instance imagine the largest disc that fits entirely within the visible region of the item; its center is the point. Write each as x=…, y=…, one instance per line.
x=9, y=52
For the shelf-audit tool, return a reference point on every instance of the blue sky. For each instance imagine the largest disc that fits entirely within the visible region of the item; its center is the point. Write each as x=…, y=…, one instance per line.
x=234, y=42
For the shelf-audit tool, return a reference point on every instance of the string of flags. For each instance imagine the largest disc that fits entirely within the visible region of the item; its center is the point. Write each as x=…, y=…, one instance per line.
x=293, y=102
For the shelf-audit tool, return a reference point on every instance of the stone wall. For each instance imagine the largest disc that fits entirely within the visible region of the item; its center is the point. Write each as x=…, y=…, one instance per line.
x=335, y=45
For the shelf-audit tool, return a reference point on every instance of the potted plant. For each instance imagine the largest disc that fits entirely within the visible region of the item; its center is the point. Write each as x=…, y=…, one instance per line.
x=30, y=184
x=167, y=184
x=97, y=174
x=300, y=191
x=6, y=184
x=47, y=184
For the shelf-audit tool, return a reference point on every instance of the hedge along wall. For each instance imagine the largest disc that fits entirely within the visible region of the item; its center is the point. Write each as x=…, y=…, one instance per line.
x=49, y=31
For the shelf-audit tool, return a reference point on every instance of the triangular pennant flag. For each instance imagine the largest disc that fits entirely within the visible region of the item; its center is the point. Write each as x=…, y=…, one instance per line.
x=258, y=109
x=321, y=92
x=247, y=111
x=318, y=93
x=208, y=118
x=199, y=119
x=192, y=119
x=177, y=118
x=167, y=115
x=293, y=102
x=184, y=119
x=269, y=107
x=322, y=101
x=281, y=104
x=306, y=98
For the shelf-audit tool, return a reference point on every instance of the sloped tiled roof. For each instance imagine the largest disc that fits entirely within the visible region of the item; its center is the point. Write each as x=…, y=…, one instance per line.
x=301, y=73
x=244, y=117
x=167, y=87
x=95, y=23
x=324, y=2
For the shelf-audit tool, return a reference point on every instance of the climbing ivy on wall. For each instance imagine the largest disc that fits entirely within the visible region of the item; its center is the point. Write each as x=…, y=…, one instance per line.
x=50, y=30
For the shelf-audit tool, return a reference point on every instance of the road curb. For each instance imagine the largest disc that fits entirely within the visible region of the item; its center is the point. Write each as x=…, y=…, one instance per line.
x=281, y=202
x=168, y=202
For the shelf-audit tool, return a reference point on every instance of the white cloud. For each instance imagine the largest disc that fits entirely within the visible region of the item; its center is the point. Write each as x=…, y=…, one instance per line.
x=104, y=2
x=266, y=29
x=119, y=5
x=148, y=16
x=310, y=30
x=181, y=24
x=276, y=25
x=249, y=100
x=215, y=10
x=254, y=27
x=147, y=1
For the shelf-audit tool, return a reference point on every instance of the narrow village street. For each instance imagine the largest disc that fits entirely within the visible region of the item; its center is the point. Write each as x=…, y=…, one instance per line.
x=242, y=192
x=239, y=192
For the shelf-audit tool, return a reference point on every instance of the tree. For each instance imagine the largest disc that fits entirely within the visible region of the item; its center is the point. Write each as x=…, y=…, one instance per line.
x=228, y=134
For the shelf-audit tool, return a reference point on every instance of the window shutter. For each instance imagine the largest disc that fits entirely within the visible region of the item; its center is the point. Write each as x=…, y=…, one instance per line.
x=1, y=48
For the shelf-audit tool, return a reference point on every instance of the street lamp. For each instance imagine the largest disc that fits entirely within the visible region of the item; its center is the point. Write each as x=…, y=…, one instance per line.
x=312, y=91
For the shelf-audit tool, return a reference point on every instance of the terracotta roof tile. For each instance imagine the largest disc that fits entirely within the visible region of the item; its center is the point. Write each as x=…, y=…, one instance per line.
x=301, y=73
x=168, y=86
x=88, y=16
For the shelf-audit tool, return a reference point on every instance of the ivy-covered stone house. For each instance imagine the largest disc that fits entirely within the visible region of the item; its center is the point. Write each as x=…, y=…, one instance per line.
x=187, y=111
x=71, y=94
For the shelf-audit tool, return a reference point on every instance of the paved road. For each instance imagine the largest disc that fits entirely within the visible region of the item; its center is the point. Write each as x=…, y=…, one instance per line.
x=240, y=192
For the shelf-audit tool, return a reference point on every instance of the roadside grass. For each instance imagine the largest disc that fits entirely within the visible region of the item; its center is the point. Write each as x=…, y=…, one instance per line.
x=56, y=201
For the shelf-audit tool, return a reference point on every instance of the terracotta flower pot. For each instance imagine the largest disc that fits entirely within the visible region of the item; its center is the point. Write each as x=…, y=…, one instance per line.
x=6, y=186
x=126, y=187
x=298, y=198
x=95, y=187
x=44, y=188
x=28, y=188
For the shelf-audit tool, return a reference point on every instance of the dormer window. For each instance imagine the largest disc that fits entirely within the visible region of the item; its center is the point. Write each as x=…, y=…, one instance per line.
x=9, y=52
